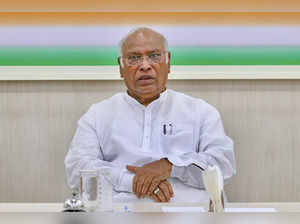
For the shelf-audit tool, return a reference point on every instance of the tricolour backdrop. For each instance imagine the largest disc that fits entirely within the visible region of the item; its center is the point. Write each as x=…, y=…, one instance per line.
x=89, y=40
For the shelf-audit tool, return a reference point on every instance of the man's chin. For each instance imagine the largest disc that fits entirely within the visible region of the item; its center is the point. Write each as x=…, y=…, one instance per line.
x=148, y=93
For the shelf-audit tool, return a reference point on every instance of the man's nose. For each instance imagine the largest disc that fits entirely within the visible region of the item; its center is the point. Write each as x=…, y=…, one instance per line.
x=145, y=65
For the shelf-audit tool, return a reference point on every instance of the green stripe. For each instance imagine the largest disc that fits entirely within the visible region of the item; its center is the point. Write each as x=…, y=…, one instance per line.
x=89, y=56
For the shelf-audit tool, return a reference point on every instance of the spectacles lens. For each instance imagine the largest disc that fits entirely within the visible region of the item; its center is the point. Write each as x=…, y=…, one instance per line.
x=155, y=57
x=137, y=59
x=134, y=59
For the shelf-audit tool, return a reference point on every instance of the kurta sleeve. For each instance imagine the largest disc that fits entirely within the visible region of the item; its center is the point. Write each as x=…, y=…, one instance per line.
x=85, y=153
x=214, y=148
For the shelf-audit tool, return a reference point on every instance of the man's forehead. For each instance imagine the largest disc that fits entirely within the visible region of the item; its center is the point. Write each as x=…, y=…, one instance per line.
x=143, y=41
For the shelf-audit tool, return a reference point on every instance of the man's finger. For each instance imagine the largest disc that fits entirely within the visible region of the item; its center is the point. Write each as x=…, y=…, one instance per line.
x=139, y=186
x=154, y=184
x=165, y=190
x=147, y=184
x=155, y=198
x=134, y=184
x=167, y=183
x=161, y=196
x=132, y=169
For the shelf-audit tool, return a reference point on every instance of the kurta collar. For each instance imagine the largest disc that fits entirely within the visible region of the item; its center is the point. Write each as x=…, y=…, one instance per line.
x=132, y=101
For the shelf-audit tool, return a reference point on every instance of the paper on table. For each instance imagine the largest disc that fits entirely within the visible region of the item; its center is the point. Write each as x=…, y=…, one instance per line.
x=250, y=210
x=182, y=209
x=213, y=182
x=201, y=209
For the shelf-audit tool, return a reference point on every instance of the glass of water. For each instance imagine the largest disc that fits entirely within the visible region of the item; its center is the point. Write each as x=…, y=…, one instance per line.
x=89, y=189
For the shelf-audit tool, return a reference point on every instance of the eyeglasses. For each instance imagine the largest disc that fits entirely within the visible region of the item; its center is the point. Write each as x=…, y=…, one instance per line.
x=137, y=59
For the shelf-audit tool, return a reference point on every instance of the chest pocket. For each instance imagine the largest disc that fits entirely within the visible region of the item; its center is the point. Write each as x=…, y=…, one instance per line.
x=176, y=138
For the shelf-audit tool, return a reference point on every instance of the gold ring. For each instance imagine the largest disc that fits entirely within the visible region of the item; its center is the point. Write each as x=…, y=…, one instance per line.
x=156, y=191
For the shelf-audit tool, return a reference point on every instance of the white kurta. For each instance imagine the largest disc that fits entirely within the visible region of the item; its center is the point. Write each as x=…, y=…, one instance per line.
x=120, y=131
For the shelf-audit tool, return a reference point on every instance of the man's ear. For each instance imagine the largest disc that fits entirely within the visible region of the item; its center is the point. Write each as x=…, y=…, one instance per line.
x=169, y=59
x=121, y=66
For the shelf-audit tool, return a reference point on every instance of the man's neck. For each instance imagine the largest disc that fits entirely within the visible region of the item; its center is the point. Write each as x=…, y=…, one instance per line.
x=145, y=100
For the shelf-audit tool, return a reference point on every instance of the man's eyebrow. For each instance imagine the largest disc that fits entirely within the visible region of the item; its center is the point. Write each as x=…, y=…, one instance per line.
x=148, y=52
x=133, y=52
x=155, y=50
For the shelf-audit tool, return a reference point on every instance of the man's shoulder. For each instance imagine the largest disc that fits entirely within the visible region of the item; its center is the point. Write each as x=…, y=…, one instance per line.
x=190, y=103
x=188, y=99
x=105, y=106
x=108, y=102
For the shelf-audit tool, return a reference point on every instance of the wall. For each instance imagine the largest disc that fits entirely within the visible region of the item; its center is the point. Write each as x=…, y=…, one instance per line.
x=38, y=119
x=154, y=5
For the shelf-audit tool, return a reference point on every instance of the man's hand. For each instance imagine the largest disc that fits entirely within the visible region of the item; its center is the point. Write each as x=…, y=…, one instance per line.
x=165, y=192
x=149, y=176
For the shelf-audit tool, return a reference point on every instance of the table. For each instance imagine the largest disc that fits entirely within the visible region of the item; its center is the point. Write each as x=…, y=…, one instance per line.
x=145, y=207
x=147, y=213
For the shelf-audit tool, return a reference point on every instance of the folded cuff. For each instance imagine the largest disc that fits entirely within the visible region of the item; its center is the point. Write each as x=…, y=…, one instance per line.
x=125, y=183
x=185, y=160
x=177, y=171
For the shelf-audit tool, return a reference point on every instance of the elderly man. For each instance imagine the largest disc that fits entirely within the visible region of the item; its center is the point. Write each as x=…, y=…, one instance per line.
x=155, y=141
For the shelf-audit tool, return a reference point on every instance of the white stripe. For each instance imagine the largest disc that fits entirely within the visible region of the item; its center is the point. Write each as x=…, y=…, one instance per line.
x=177, y=72
x=177, y=36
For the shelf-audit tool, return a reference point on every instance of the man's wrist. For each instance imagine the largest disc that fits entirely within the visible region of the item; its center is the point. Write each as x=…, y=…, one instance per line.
x=168, y=163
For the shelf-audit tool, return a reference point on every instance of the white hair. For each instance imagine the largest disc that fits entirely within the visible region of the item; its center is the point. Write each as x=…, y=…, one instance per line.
x=139, y=29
